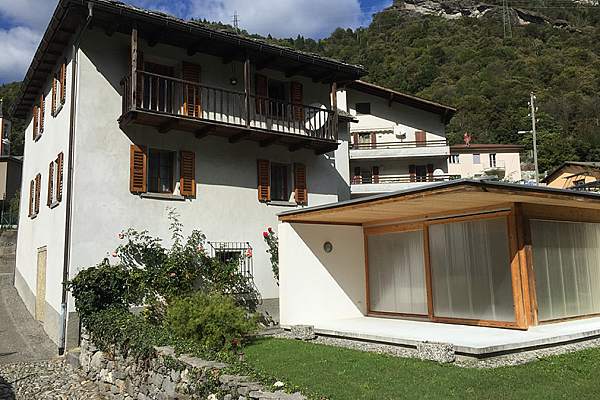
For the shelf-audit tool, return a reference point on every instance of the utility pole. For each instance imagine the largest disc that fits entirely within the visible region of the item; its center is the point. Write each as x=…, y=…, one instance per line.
x=507, y=26
x=534, y=132
x=236, y=21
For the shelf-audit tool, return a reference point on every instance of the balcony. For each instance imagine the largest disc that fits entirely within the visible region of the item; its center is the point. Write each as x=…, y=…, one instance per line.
x=169, y=103
x=366, y=185
x=430, y=148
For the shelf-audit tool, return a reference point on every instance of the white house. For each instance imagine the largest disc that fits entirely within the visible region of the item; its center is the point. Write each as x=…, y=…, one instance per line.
x=484, y=160
x=397, y=140
x=131, y=113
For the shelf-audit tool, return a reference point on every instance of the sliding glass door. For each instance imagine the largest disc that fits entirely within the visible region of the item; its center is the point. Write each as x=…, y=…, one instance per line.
x=566, y=260
x=397, y=273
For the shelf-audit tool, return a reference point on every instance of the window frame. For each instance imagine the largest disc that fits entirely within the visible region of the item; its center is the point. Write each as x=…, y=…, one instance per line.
x=476, y=158
x=57, y=171
x=358, y=105
x=57, y=89
x=454, y=159
x=288, y=178
x=173, y=169
x=493, y=160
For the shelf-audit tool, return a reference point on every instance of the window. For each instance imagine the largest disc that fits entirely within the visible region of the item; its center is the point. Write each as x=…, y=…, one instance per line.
x=275, y=182
x=55, y=181
x=59, y=89
x=363, y=108
x=160, y=171
x=579, y=182
x=493, y=160
x=34, y=196
x=154, y=170
x=454, y=159
x=476, y=158
x=38, y=118
x=279, y=182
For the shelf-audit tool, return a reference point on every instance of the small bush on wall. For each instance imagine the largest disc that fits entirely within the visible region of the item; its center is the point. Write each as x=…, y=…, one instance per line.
x=273, y=250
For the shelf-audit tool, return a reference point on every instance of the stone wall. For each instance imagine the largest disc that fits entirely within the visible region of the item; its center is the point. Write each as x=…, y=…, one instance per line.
x=168, y=376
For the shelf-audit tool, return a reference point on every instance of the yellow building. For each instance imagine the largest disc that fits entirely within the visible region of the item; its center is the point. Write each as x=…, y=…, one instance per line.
x=573, y=173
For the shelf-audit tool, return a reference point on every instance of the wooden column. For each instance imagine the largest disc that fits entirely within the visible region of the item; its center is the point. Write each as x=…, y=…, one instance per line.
x=334, y=106
x=520, y=294
x=247, y=75
x=134, y=63
x=526, y=263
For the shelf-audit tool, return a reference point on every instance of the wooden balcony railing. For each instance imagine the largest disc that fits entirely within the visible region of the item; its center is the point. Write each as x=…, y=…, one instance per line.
x=171, y=96
x=381, y=179
x=399, y=145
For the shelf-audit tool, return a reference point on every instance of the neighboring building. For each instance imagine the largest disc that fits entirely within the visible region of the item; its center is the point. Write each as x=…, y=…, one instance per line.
x=145, y=112
x=573, y=174
x=502, y=161
x=5, y=127
x=395, y=267
x=10, y=167
x=398, y=141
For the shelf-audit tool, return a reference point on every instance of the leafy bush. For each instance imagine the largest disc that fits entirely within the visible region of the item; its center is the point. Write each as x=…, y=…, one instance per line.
x=273, y=243
x=212, y=320
x=104, y=286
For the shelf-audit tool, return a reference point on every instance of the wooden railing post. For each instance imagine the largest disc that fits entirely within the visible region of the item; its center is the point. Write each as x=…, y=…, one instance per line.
x=334, y=106
x=247, y=89
x=134, y=62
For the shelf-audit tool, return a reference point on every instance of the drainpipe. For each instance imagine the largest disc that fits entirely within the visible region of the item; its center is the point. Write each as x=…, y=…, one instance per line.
x=69, y=192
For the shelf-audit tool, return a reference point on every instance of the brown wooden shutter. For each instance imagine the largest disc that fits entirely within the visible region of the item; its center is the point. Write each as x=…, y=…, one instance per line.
x=31, y=196
x=59, y=177
x=54, y=94
x=420, y=138
x=375, y=173
x=50, y=183
x=373, y=140
x=430, y=172
x=63, y=82
x=38, y=186
x=191, y=93
x=262, y=94
x=300, y=190
x=137, y=170
x=355, y=140
x=264, y=180
x=357, y=176
x=35, y=121
x=297, y=98
x=187, y=180
x=412, y=171
x=42, y=112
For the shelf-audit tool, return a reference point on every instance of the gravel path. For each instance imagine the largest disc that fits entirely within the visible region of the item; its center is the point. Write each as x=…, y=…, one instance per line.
x=45, y=380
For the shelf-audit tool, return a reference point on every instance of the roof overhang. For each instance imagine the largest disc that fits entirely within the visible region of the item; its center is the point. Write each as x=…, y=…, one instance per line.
x=154, y=27
x=438, y=200
x=583, y=166
x=445, y=112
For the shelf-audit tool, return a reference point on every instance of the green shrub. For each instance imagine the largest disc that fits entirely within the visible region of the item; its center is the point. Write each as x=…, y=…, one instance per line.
x=104, y=286
x=212, y=320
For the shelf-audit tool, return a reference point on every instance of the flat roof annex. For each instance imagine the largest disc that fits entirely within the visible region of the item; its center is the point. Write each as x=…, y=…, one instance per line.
x=438, y=200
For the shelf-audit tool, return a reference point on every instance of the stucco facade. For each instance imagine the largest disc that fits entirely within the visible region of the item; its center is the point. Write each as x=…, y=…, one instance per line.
x=475, y=161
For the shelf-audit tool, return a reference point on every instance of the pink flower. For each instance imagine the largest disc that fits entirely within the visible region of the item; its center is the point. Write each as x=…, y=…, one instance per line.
x=172, y=274
x=249, y=253
x=114, y=254
x=265, y=235
x=270, y=230
x=121, y=235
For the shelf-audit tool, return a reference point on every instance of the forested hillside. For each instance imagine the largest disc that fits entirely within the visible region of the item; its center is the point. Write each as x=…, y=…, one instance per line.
x=8, y=93
x=467, y=62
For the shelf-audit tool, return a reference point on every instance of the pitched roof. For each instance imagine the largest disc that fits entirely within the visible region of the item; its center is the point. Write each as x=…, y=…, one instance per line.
x=445, y=111
x=115, y=16
x=555, y=171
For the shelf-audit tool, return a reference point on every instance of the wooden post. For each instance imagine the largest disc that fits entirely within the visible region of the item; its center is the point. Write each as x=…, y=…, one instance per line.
x=247, y=89
x=527, y=277
x=335, y=109
x=520, y=293
x=134, y=62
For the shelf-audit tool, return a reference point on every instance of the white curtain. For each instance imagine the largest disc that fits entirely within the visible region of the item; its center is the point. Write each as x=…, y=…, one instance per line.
x=470, y=269
x=566, y=262
x=397, y=273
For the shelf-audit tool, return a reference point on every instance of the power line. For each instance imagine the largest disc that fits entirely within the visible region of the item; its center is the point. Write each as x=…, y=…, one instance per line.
x=236, y=21
x=506, y=20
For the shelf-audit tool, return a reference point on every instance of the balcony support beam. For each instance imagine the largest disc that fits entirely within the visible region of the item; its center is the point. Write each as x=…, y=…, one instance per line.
x=237, y=137
x=168, y=125
x=247, y=89
x=203, y=132
x=268, y=142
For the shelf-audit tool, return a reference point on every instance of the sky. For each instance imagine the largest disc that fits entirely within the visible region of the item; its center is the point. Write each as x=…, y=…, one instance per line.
x=21, y=29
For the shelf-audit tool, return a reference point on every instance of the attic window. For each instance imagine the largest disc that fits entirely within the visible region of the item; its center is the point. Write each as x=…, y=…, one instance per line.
x=363, y=108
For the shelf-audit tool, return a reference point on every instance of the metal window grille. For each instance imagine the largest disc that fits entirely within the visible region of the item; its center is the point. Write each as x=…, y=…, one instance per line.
x=240, y=252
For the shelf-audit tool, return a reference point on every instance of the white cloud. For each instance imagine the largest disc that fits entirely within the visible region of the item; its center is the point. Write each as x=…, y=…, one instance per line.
x=17, y=46
x=282, y=18
x=32, y=13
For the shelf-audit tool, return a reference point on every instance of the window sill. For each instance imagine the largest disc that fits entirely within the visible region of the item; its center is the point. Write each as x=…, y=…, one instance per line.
x=33, y=216
x=58, y=108
x=54, y=204
x=162, y=196
x=281, y=203
x=37, y=137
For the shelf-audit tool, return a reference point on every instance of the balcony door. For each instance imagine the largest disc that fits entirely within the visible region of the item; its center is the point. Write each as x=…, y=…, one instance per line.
x=158, y=87
x=192, y=94
x=421, y=138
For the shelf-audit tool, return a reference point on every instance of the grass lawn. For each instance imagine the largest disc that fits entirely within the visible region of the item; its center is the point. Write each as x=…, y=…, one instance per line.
x=341, y=374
